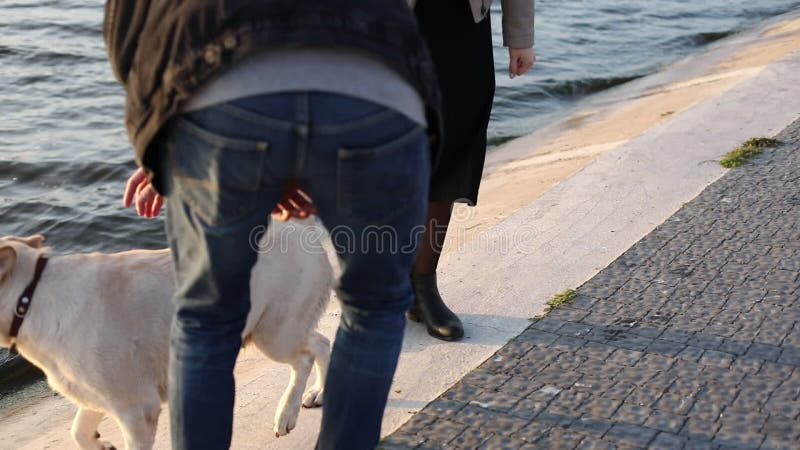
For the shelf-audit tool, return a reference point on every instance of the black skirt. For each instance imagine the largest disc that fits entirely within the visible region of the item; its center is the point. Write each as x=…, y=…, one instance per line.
x=462, y=54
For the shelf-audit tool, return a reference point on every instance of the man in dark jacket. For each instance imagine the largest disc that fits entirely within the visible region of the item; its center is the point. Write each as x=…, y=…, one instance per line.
x=228, y=103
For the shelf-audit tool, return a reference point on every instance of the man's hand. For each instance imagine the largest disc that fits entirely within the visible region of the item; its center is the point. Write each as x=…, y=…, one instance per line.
x=143, y=194
x=521, y=60
x=294, y=203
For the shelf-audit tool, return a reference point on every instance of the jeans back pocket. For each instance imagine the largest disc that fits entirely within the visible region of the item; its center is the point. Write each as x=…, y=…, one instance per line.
x=376, y=184
x=218, y=177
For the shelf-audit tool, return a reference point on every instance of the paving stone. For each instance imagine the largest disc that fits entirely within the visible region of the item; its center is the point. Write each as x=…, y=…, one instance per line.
x=547, y=324
x=782, y=406
x=401, y=441
x=470, y=438
x=515, y=349
x=591, y=425
x=485, y=379
x=590, y=443
x=559, y=438
x=593, y=385
x=442, y=431
x=735, y=347
x=566, y=313
x=620, y=390
x=418, y=422
x=631, y=434
x=500, y=364
x=533, y=431
x=777, y=443
x=716, y=358
x=745, y=420
x=667, y=441
x=556, y=417
x=764, y=352
x=643, y=396
x=655, y=362
x=632, y=413
x=488, y=420
x=528, y=408
x=698, y=445
x=600, y=368
x=776, y=371
x=673, y=403
x=664, y=421
x=698, y=429
x=462, y=392
x=733, y=436
x=691, y=353
x=663, y=347
x=626, y=357
x=519, y=386
x=537, y=337
x=782, y=428
x=506, y=442
x=496, y=400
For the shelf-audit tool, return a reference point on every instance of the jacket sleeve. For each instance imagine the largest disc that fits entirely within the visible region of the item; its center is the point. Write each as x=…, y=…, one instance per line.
x=518, y=23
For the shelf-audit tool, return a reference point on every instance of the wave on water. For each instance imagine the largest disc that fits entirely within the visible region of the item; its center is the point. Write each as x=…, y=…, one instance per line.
x=51, y=59
x=701, y=39
x=585, y=86
x=8, y=51
x=78, y=173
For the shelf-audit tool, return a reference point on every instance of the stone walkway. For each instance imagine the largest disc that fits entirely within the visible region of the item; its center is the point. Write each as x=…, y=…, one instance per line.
x=691, y=339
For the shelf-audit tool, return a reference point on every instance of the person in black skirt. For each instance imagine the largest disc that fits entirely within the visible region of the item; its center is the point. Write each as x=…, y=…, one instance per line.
x=459, y=35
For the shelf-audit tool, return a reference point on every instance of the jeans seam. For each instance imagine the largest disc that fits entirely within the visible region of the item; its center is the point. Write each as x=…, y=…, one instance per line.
x=254, y=118
x=363, y=122
x=186, y=125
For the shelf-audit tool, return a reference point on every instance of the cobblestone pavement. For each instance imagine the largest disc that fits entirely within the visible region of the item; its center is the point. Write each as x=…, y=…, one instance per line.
x=691, y=339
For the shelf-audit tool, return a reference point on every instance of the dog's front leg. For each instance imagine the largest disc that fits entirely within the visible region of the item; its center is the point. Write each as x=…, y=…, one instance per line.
x=84, y=430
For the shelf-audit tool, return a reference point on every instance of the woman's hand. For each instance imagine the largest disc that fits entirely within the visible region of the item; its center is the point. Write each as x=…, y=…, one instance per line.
x=294, y=203
x=521, y=60
x=143, y=194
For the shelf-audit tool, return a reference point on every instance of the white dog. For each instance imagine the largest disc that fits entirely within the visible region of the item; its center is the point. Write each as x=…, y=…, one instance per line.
x=98, y=326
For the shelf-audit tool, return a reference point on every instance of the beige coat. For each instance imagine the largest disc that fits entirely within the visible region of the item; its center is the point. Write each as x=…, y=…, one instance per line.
x=517, y=19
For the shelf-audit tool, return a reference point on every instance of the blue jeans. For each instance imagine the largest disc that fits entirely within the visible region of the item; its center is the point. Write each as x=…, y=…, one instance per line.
x=367, y=169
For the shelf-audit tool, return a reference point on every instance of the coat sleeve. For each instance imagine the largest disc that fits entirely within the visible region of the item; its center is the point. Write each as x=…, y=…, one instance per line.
x=518, y=23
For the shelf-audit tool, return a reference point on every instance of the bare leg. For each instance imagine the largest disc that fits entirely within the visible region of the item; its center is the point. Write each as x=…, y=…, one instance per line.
x=429, y=307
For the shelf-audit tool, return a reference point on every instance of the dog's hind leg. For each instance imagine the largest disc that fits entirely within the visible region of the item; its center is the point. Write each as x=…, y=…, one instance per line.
x=320, y=347
x=84, y=430
x=289, y=406
x=139, y=425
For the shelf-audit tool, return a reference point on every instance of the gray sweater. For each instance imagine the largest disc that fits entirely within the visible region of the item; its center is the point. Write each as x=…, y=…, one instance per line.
x=334, y=70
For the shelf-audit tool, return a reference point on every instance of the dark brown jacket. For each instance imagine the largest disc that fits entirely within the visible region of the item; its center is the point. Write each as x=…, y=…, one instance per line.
x=163, y=51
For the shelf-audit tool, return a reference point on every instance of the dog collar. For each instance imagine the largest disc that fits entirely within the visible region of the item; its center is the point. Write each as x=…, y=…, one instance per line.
x=24, y=301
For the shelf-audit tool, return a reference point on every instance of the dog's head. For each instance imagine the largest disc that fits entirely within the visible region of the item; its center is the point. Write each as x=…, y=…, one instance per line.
x=18, y=258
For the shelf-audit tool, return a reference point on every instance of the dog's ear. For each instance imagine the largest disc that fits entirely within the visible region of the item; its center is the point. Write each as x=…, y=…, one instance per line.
x=34, y=241
x=8, y=257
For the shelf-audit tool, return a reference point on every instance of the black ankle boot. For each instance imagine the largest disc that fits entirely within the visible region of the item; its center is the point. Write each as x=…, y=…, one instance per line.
x=430, y=309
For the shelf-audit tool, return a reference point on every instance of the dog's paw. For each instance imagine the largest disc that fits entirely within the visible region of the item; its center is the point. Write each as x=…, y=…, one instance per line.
x=284, y=425
x=312, y=398
x=286, y=421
